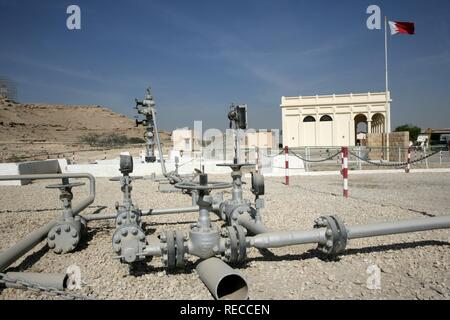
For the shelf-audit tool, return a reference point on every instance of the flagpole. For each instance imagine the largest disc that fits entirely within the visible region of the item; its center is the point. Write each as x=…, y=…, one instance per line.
x=388, y=109
x=387, y=76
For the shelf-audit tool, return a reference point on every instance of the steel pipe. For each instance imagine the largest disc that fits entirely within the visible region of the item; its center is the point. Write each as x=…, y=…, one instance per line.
x=155, y=212
x=56, y=281
x=407, y=226
x=223, y=282
x=153, y=247
x=75, y=209
x=287, y=238
x=251, y=225
x=10, y=255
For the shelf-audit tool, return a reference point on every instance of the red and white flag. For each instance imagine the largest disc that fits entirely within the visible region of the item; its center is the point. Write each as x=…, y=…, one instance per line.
x=401, y=27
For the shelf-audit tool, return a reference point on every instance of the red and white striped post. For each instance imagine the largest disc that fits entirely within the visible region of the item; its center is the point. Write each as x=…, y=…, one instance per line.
x=345, y=170
x=408, y=166
x=286, y=158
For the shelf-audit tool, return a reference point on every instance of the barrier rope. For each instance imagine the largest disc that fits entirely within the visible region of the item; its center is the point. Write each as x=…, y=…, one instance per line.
x=314, y=161
x=276, y=155
x=394, y=165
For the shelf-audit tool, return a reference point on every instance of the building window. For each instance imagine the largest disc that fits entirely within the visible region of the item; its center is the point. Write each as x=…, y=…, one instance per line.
x=309, y=119
x=326, y=119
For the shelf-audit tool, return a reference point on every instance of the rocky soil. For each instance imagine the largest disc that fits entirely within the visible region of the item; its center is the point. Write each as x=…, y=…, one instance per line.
x=413, y=266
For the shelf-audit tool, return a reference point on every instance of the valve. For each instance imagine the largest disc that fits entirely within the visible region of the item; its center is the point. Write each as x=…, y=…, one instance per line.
x=65, y=236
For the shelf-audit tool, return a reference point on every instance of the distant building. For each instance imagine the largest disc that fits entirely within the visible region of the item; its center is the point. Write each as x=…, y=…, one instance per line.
x=182, y=140
x=262, y=139
x=434, y=137
x=333, y=120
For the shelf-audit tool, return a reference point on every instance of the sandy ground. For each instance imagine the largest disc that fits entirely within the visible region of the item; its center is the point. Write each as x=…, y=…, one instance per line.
x=413, y=266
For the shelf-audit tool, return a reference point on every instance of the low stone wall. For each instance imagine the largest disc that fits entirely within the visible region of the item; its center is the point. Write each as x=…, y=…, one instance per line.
x=378, y=141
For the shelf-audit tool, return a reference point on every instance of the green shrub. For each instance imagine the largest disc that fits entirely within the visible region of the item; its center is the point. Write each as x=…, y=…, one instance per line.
x=136, y=140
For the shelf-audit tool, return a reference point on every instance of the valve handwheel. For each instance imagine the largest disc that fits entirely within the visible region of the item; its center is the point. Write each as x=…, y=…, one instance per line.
x=236, y=166
x=132, y=178
x=204, y=185
x=65, y=185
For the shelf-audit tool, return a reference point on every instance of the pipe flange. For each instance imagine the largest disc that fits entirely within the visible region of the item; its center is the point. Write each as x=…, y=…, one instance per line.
x=124, y=217
x=235, y=245
x=64, y=237
x=174, y=248
x=128, y=241
x=336, y=235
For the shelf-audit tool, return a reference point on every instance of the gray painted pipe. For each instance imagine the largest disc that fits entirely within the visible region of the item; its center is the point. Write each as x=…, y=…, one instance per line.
x=287, y=238
x=223, y=282
x=407, y=226
x=249, y=223
x=153, y=247
x=161, y=155
x=76, y=208
x=155, y=212
x=10, y=255
x=48, y=280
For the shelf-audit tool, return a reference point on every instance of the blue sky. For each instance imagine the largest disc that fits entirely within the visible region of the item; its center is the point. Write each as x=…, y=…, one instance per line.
x=200, y=56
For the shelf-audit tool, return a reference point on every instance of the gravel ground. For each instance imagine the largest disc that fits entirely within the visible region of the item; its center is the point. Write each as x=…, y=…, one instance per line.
x=413, y=266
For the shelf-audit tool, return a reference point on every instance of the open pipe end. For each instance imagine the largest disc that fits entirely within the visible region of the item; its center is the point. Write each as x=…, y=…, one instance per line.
x=232, y=287
x=223, y=282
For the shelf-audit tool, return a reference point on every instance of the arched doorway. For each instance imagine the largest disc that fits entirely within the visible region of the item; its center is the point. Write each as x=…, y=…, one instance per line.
x=378, y=123
x=326, y=131
x=309, y=131
x=361, y=130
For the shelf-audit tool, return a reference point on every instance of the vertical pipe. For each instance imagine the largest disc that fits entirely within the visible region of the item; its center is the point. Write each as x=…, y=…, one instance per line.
x=345, y=170
x=286, y=164
x=408, y=166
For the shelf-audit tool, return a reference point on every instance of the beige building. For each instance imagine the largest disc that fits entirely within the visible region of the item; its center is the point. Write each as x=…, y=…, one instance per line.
x=182, y=140
x=262, y=139
x=333, y=120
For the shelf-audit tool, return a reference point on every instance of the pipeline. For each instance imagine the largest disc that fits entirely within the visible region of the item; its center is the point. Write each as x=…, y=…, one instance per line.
x=56, y=281
x=321, y=236
x=77, y=208
x=406, y=226
x=280, y=239
x=223, y=282
x=10, y=255
x=151, y=212
x=252, y=227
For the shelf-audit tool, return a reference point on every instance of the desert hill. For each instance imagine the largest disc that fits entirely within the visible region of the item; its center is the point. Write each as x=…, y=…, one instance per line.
x=50, y=128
